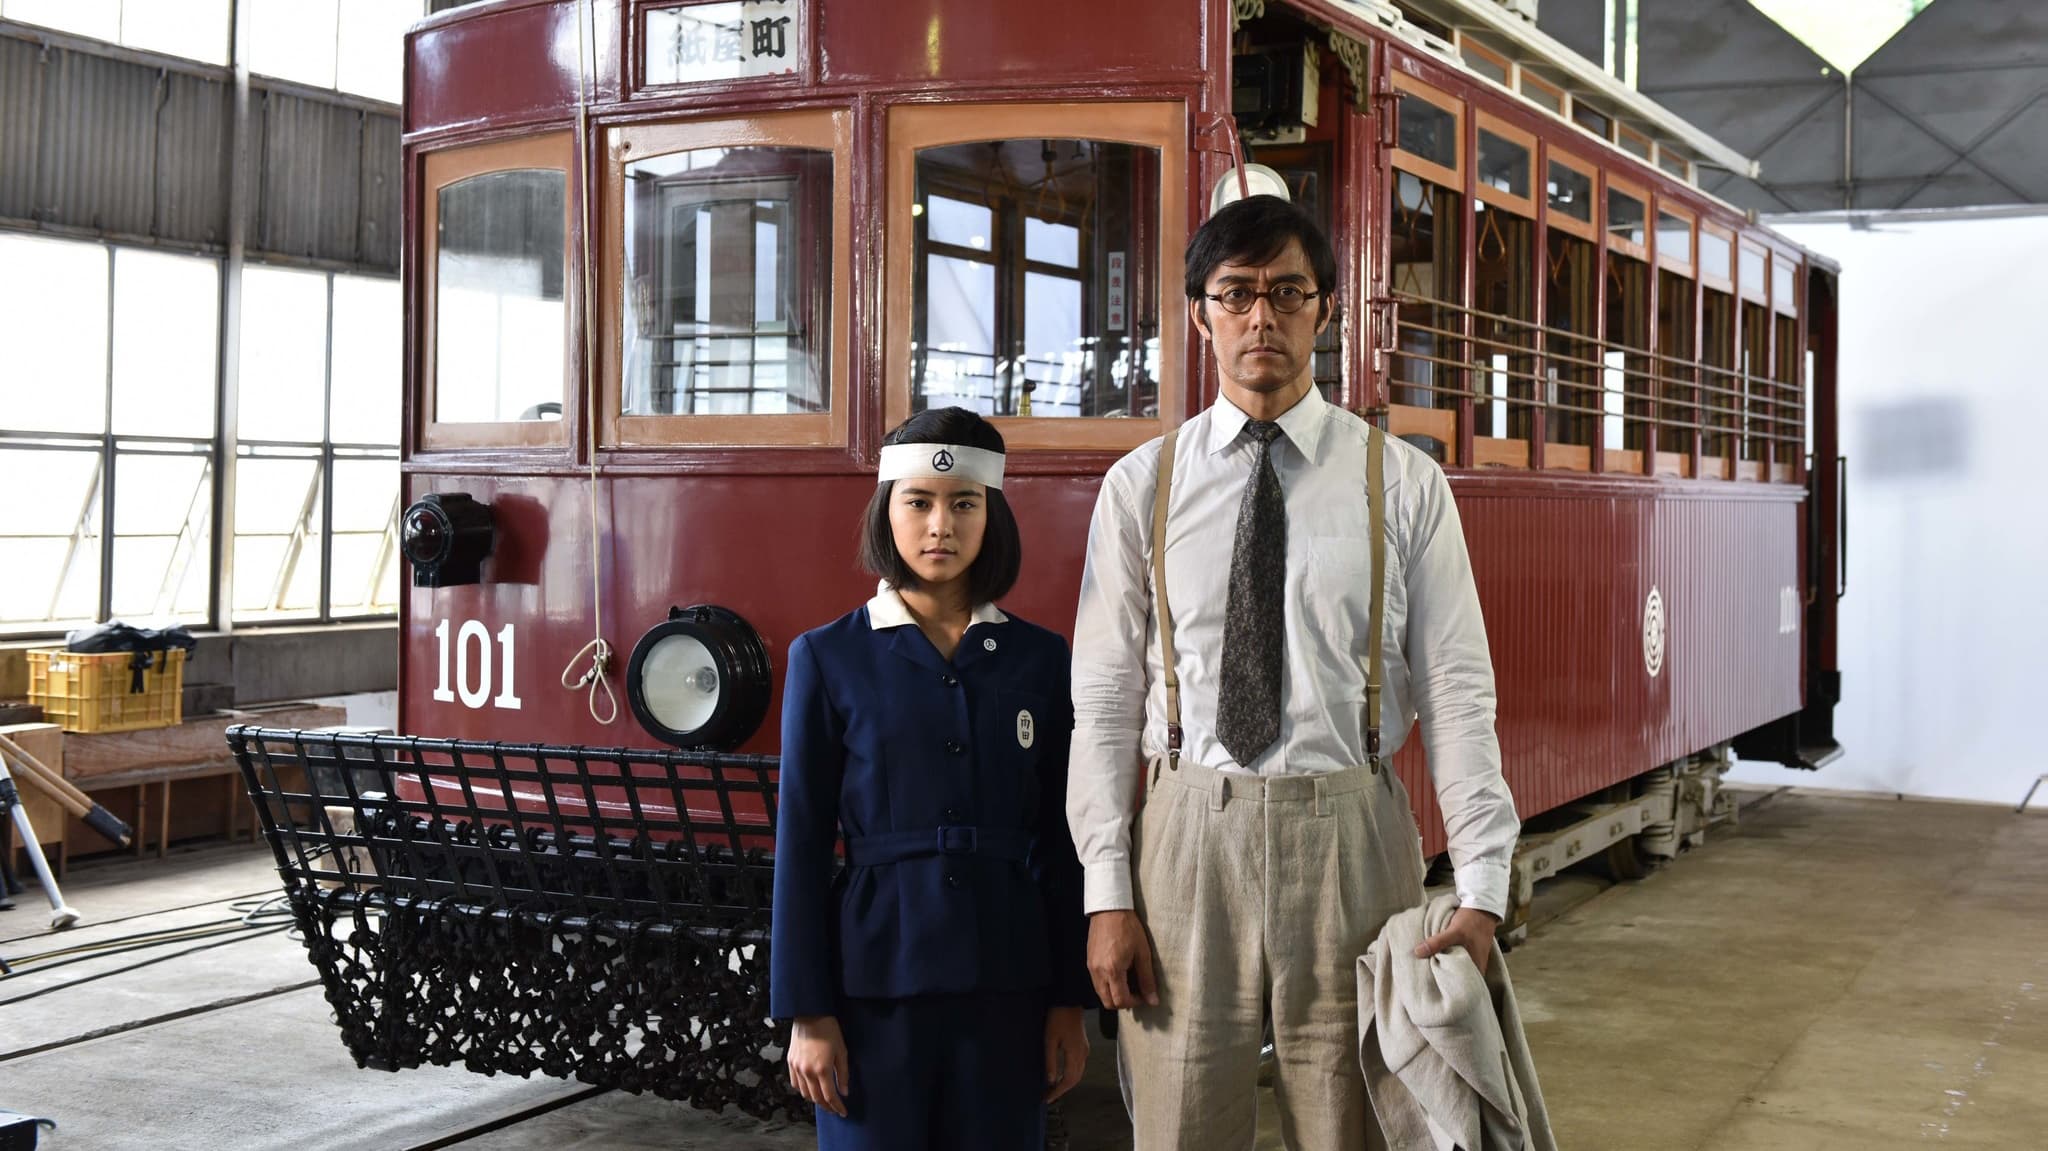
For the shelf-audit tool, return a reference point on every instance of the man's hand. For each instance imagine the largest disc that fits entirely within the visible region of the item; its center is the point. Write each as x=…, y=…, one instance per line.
x=1066, y=1050
x=817, y=1062
x=1469, y=928
x=1116, y=945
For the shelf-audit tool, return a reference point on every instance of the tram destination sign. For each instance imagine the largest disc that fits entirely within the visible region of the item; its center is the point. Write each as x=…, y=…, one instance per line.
x=703, y=43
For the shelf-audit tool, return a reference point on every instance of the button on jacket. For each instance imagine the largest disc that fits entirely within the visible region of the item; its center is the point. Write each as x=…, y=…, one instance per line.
x=1437, y=666
x=948, y=780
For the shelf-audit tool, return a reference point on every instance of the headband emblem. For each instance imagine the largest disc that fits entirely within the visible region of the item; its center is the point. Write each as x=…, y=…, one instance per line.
x=943, y=461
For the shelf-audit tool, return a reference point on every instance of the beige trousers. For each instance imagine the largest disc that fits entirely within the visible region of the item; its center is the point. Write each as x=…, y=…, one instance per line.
x=1259, y=895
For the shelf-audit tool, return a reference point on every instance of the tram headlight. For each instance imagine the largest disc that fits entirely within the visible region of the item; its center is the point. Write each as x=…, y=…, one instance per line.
x=700, y=678
x=445, y=536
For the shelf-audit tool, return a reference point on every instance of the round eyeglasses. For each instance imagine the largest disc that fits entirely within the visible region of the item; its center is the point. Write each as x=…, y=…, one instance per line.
x=1285, y=299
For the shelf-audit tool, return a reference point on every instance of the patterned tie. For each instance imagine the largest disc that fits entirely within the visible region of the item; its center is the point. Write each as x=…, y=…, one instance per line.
x=1248, y=712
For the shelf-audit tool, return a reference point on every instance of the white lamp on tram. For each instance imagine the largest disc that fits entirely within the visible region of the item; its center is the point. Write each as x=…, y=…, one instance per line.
x=700, y=679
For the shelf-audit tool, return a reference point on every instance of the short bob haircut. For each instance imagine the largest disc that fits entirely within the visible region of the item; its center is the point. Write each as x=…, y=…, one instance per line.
x=994, y=571
x=1255, y=230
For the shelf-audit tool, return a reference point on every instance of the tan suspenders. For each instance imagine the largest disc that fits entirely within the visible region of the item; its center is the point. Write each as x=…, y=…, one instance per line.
x=1375, y=495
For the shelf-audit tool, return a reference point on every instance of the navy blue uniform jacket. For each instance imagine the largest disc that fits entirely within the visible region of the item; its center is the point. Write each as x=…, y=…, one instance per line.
x=905, y=752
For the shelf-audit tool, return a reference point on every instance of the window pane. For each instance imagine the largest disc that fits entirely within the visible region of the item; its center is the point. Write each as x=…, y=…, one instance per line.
x=62, y=482
x=1486, y=64
x=1571, y=192
x=365, y=495
x=1752, y=269
x=1052, y=243
x=36, y=539
x=284, y=355
x=34, y=568
x=271, y=496
x=157, y=495
x=144, y=582
x=1544, y=94
x=99, y=19
x=1504, y=164
x=294, y=40
x=53, y=325
x=1625, y=217
x=166, y=331
x=499, y=318
x=1427, y=268
x=1781, y=284
x=1674, y=237
x=728, y=282
x=951, y=221
x=1671, y=162
x=367, y=388
x=195, y=29
x=370, y=56
x=1591, y=121
x=1634, y=143
x=352, y=587
x=1428, y=132
x=993, y=333
x=1714, y=254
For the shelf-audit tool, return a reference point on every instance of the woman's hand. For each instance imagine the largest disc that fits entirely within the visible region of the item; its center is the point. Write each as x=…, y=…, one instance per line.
x=817, y=1062
x=1066, y=1050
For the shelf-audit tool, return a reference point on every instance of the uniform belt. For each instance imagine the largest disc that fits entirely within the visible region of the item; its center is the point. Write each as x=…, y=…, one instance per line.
x=1010, y=843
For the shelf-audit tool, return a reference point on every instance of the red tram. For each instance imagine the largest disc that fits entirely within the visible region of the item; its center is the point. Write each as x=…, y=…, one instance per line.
x=673, y=268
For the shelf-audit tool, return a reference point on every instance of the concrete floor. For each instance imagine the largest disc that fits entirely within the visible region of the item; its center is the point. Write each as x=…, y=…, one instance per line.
x=1838, y=973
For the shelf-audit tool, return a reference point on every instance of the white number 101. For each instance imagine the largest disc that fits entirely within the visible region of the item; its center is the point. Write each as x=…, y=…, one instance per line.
x=474, y=690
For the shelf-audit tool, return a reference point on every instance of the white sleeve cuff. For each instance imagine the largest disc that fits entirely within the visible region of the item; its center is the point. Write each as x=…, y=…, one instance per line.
x=1106, y=886
x=1484, y=886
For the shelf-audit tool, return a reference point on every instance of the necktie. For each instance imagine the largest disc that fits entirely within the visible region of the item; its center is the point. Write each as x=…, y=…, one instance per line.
x=1248, y=712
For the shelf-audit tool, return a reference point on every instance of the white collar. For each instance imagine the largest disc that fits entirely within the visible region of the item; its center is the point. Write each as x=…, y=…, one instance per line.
x=1301, y=424
x=888, y=610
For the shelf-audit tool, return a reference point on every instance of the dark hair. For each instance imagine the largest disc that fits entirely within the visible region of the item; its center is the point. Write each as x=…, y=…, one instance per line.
x=994, y=571
x=1255, y=230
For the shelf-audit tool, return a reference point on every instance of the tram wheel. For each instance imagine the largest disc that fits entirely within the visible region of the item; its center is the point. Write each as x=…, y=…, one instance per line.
x=1628, y=862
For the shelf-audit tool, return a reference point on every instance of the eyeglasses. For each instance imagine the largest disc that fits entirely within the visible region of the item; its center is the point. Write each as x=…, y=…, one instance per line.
x=1285, y=299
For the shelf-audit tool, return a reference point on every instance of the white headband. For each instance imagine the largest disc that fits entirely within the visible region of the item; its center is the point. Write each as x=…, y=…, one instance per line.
x=954, y=461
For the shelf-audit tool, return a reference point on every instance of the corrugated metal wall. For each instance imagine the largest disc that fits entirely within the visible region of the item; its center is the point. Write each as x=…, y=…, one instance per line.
x=110, y=143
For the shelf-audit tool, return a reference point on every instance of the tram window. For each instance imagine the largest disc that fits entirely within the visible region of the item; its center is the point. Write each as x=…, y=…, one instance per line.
x=1715, y=253
x=1625, y=383
x=1544, y=93
x=1759, y=406
x=727, y=304
x=1427, y=286
x=499, y=311
x=1572, y=349
x=1791, y=402
x=1595, y=122
x=1625, y=219
x=1485, y=61
x=1752, y=280
x=1429, y=132
x=1678, y=413
x=1032, y=283
x=1571, y=192
x=1631, y=141
x=1674, y=240
x=1783, y=297
x=1504, y=164
x=1674, y=163
x=1719, y=386
x=1504, y=273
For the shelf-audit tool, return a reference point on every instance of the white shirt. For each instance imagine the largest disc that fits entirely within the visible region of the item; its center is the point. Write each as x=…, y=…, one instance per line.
x=1437, y=666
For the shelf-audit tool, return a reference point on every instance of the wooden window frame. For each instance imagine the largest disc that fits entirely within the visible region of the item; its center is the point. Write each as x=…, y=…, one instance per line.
x=1587, y=230
x=1780, y=259
x=1571, y=116
x=1521, y=206
x=825, y=129
x=1452, y=177
x=552, y=151
x=1754, y=293
x=1625, y=135
x=1707, y=279
x=1470, y=47
x=1639, y=193
x=1160, y=125
x=1665, y=158
x=1525, y=79
x=1689, y=266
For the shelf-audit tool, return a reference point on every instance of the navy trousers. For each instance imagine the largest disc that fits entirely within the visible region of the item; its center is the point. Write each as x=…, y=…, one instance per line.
x=942, y=1073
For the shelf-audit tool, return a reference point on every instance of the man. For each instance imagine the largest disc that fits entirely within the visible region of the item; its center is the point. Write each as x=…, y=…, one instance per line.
x=1274, y=840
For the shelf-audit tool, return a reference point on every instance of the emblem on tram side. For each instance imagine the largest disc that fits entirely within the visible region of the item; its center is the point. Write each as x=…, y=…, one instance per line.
x=1653, y=633
x=1027, y=729
x=943, y=462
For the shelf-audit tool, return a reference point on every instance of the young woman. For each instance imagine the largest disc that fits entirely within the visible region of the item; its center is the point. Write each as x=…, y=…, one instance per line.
x=937, y=983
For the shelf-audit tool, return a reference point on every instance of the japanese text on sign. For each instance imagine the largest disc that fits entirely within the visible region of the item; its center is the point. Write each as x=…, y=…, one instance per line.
x=1115, y=303
x=707, y=42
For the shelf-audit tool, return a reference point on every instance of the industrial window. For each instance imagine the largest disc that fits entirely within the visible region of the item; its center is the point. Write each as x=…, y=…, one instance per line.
x=496, y=283
x=354, y=45
x=106, y=415
x=730, y=244
x=1031, y=253
x=316, y=470
x=193, y=29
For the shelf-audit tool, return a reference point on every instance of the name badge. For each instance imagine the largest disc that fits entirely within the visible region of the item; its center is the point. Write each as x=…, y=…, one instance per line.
x=1027, y=729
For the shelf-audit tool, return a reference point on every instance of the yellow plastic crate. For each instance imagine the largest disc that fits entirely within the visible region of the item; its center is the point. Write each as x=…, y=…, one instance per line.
x=89, y=692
